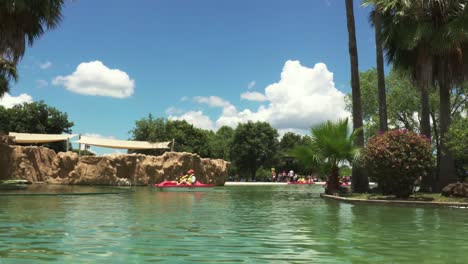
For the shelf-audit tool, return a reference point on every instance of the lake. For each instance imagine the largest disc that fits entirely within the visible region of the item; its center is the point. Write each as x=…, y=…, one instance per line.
x=247, y=224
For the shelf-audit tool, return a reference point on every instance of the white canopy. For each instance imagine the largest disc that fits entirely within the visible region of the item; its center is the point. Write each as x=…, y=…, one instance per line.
x=27, y=138
x=122, y=144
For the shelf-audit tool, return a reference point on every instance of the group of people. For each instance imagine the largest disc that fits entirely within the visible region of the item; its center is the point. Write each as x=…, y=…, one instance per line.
x=290, y=177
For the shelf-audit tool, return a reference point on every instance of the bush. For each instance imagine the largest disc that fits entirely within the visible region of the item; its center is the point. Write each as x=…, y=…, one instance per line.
x=397, y=159
x=457, y=140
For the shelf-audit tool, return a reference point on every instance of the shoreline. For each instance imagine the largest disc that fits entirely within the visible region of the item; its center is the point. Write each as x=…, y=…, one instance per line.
x=266, y=183
x=392, y=202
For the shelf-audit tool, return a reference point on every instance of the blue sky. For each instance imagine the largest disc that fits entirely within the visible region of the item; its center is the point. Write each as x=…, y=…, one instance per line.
x=211, y=62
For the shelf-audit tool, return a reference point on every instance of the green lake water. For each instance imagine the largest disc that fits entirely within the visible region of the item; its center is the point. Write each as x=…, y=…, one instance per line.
x=247, y=224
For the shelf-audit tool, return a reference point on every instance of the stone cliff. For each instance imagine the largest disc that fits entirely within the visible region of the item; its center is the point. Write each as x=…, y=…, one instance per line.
x=38, y=164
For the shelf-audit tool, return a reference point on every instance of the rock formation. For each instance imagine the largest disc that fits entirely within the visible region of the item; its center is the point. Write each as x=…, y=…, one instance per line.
x=39, y=164
x=456, y=190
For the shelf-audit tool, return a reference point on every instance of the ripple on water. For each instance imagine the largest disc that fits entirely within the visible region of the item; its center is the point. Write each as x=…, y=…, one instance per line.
x=279, y=224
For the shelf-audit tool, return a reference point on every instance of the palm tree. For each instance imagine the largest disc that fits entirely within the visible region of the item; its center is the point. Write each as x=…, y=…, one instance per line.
x=360, y=182
x=331, y=145
x=7, y=74
x=376, y=20
x=430, y=39
x=23, y=21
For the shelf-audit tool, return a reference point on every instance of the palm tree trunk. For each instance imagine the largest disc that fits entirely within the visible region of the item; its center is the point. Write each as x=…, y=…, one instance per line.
x=333, y=183
x=425, y=83
x=447, y=173
x=383, y=125
x=360, y=182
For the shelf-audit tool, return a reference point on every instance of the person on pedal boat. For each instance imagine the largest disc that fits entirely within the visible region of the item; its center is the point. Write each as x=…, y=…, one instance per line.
x=189, y=178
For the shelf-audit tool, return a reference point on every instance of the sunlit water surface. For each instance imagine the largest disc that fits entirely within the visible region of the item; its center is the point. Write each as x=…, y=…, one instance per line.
x=263, y=224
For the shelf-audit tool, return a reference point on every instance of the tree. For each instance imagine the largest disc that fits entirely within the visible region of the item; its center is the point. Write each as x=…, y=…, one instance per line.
x=254, y=145
x=332, y=144
x=360, y=182
x=430, y=38
x=7, y=74
x=36, y=117
x=383, y=126
x=402, y=101
x=22, y=22
x=407, y=50
x=221, y=142
x=457, y=141
x=187, y=137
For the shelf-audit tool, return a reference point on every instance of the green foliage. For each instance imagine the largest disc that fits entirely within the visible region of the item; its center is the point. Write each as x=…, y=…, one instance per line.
x=331, y=145
x=7, y=73
x=402, y=101
x=22, y=22
x=457, y=140
x=396, y=159
x=187, y=137
x=221, y=142
x=36, y=117
x=254, y=145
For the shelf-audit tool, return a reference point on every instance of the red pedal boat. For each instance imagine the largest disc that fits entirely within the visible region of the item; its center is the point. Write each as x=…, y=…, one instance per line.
x=171, y=184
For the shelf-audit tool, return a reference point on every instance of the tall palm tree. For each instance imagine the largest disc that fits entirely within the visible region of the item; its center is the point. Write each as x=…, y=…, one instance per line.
x=360, y=182
x=407, y=40
x=383, y=123
x=430, y=39
x=7, y=74
x=331, y=145
x=23, y=21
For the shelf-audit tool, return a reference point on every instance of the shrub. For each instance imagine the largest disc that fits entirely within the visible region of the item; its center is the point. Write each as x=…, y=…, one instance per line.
x=396, y=159
x=457, y=140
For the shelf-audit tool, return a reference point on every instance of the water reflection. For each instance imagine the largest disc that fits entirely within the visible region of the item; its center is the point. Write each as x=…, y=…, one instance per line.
x=280, y=224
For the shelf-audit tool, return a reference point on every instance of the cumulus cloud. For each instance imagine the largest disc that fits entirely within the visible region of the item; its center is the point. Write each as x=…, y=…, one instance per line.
x=45, y=65
x=254, y=96
x=251, y=85
x=95, y=78
x=302, y=98
x=196, y=118
x=9, y=101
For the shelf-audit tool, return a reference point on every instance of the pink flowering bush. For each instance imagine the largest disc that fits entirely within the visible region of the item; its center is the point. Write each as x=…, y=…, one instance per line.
x=397, y=159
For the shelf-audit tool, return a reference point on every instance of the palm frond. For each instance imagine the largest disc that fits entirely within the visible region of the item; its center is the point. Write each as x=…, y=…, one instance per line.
x=8, y=73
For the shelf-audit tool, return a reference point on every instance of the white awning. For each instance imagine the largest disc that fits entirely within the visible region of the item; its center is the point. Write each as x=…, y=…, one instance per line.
x=27, y=138
x=122, y=144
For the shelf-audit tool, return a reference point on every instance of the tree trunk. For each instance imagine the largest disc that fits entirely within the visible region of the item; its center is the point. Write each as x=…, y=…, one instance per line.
x=425, y=83
x=383, y=125
x=254, y=175
x=333, y=185
x=360, y=182
x=447, y=173
x=428, y=182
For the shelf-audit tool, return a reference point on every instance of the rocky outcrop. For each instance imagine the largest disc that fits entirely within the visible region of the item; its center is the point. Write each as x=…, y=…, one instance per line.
x=456, y=190
x=42, y=164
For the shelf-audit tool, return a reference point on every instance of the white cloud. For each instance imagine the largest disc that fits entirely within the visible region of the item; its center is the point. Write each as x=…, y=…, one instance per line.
x=173, y=111
x=213, y=101
x=251, y=84
x=96, y=135
x=41, y=83
x=196, y=118
x=95, y=78
x=254, y=96
x=45, y=65
x=302, y=98
x=9, y=101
